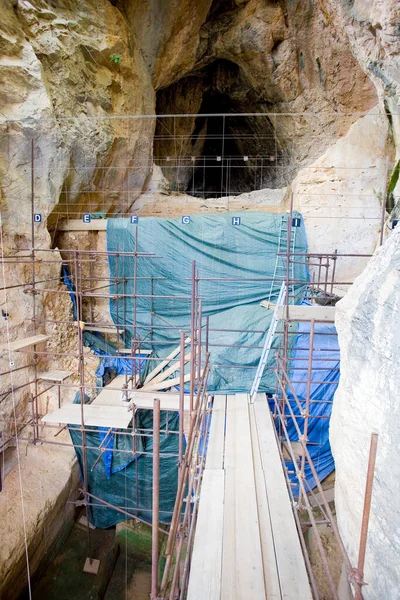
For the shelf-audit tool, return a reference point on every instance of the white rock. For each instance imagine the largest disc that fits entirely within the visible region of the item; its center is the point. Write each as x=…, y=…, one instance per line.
x=368, y=323
x=340, y=195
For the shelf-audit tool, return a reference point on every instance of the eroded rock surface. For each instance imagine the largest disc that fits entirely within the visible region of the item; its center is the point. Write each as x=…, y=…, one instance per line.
x=75, y=76
x=366, y=401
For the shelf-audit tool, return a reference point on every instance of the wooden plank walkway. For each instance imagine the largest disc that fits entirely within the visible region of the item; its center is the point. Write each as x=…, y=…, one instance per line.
x=246, y=544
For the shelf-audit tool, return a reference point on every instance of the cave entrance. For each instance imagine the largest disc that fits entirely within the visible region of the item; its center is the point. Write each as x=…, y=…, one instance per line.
x=222, y=149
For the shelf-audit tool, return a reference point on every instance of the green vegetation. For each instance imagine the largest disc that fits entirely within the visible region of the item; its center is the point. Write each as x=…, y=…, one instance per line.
x=115, y=58
x=392, y=184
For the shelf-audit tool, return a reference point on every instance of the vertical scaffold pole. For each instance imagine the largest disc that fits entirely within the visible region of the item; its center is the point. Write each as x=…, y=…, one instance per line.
x=192, y=337
x=286, y=321
x=365, y=516
x=156, y=499
x=81, y=370
x=199, y=322
x=181, y=396
x=307, y=407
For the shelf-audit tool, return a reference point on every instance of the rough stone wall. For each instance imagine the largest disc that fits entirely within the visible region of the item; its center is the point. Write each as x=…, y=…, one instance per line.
x=372, y=28
x=49, y=479
x=56, y=75
x=366, y=401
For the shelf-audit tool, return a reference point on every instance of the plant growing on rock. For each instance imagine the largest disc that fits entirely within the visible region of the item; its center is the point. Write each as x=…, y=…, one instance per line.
x=115, y=58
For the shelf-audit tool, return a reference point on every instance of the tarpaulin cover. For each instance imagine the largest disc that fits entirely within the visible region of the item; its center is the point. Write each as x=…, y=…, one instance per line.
x=120, y=477
x=124, y=479
x=325, y=369
x=98, y=343
x=221, y=250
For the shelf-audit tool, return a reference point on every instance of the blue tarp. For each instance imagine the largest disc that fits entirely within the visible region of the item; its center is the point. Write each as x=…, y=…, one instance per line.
x=325, y=369
x=98, y=344
x=221, y=250
x=124, y=479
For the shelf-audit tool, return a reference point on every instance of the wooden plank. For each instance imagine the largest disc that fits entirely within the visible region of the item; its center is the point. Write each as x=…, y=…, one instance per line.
x=24, y=343
x=271, y=576
x=242, y=566
x=58, y=376
x=164, y=363
x=163, y=385
x=79, y=225
x=137, y=351
x=141, y=399
x=112, y=330
x=165, y=374
x=229, y=456
x=216, y=438
x=306, y=313
x=97, y=416
x=228, y=583
x=205, y=570
x=291, y=567
x=249, y=566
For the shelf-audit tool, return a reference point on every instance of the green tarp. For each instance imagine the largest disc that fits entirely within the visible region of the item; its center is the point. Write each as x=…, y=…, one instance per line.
x=221, y=250
x=120, y=478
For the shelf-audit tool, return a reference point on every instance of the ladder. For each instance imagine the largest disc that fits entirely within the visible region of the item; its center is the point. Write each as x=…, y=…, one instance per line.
x=269, y=338
x=281, y=261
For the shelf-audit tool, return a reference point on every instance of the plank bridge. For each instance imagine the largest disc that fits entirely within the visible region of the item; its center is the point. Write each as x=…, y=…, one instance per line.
x=246, y=544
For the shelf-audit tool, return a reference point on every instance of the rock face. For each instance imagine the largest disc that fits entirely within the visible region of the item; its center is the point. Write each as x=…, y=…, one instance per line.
x=366, y=401
x=341, y=194
x=35, y=516
x=76, y=76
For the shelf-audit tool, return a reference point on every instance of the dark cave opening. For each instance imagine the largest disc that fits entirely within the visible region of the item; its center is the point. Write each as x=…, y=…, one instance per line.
x=220, y=148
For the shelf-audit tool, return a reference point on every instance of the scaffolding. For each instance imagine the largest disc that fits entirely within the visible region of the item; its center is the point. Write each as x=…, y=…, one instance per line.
x=92, y=288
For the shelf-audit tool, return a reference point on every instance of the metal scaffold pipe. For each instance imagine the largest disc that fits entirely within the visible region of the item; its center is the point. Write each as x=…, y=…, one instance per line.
x=156, y=499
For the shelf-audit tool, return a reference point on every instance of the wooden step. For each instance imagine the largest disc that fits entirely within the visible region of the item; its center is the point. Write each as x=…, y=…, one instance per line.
x=24, y=343
x=58, y=376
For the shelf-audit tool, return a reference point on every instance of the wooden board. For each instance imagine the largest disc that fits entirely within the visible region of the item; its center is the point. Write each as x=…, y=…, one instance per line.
x=165, y=374
x=97, y=416
x=242, y=566
x=79, y=225
x=216, y=438
x=112, y=397
x=168, y=383
x=164, y=363
x=107, y=330
x=290, y=562
x=24, y=343
x=137, y=351
x=58, y=376
x=306, y=313
x=271, y=576
x=205, y=571
x=144, y=400
x=228, y=587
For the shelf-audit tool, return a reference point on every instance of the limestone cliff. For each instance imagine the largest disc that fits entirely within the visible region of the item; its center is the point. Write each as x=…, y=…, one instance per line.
x=366, y=401
x=76, y=76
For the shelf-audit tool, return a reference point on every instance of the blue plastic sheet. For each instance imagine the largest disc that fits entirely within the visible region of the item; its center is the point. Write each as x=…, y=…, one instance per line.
x=123, y=478
x=98, y=344
x=325, y=369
